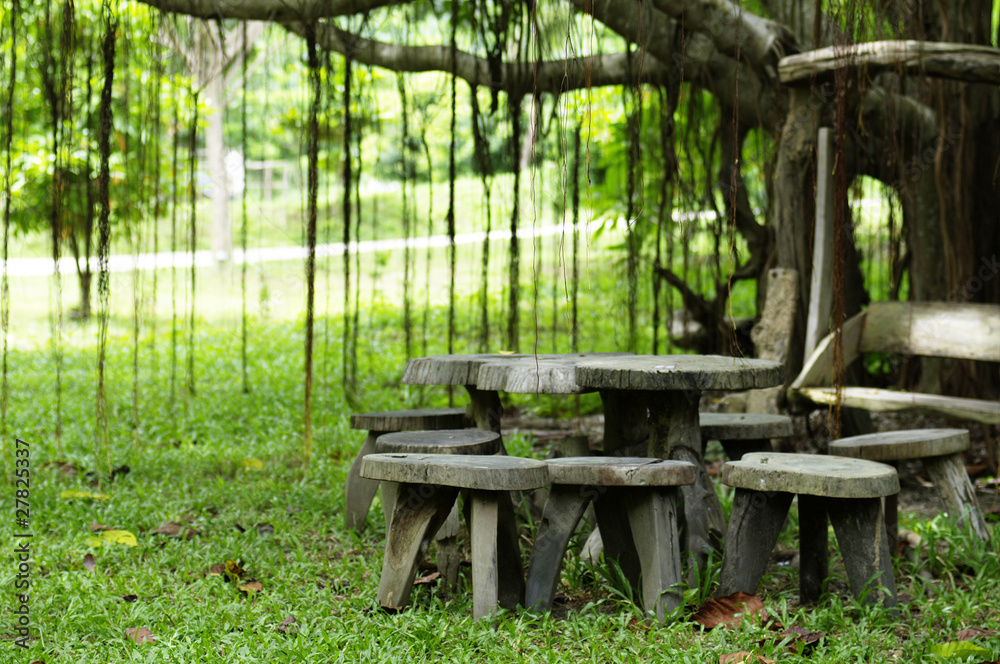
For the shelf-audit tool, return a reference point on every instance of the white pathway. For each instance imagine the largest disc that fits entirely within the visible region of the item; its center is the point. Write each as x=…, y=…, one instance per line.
x=25, y=267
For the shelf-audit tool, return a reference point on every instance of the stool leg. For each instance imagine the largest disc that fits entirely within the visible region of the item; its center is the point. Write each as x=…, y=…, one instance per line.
x=563, y=510
x=509, y=562
x=611, y=507
x=814, y=545
x=360, y=491
x=485, y=573
x=860, y=528
x=952, y=482
x=652, y=514
x=449, y=558
x=419, y=511
x=754, y=526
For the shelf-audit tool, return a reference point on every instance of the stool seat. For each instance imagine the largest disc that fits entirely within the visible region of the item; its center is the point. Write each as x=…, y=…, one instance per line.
x=486, y=473
x=445, y=441
x=939, y=450
x=620, y=471
x=743, y=426
x=411, y=420
x=811, y=474
x=427, y=486
x=899, y=445
x=636, y=504
x=846, y=491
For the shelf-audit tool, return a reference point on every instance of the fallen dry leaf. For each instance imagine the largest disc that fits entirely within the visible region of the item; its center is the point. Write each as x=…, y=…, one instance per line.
x=174, y=529
x=216, y=570
x=800, y=639
x=128, y=599
x=140, y=635
x=972, y=632
x=250, y=587
x=99, y=527
x=286, y=623
x=88, y=562
x=744, y=657
x=264, y=529
x=430, y=578
x=729, y=610
x=233, y=571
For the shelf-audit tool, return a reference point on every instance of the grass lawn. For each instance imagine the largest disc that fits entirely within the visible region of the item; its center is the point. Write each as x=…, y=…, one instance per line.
x=219, y=478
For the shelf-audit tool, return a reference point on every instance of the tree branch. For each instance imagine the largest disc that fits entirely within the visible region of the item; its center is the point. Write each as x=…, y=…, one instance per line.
x=517, y=79
x=270, y=10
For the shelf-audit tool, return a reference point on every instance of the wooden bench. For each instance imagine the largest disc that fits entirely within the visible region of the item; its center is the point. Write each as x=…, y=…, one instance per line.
x=636, y=504
x=359, y=491
x=934, y=329
x=428, y=487
x=848, y=491
x=940, y=451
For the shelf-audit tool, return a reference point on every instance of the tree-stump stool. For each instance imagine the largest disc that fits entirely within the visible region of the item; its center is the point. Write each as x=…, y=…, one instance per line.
x=359, y=491
x=445, y=441
x=848, y=491
x=428, y=486
x=741, y=433
x=636, y=504
x=940, y=452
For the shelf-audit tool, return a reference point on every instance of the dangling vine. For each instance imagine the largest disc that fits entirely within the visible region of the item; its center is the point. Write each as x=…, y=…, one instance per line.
x=192, y=231
x=407, y=222
x=105, y=120
x=346, y=209
x=514, y=265
x=312, y=202
x=450, y=217
x=485, y=164
x=244, y=370
x=15, y=9
x=174, y=205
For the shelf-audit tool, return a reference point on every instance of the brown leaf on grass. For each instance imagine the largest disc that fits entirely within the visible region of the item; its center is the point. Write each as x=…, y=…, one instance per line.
x=430, y=578
x=233, y=571
x=972, y=632
x=99, y=527
x=264, y=529
x=37, y=661
x=216, y=570
x=286, y=623
x=140, y=635
x=800, y=639
x=744, y=657
x=174, y=529
x=729, y=610
x=250, y=587
x=128, y=599
x=88, y=562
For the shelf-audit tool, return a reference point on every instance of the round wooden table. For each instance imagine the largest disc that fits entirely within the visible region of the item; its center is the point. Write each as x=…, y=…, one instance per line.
x=485, y=375
x=670, y=388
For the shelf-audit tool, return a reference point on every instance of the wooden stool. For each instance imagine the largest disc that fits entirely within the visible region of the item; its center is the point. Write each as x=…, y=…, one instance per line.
x=939, y=450
x=740, y=433
x=359, y=491
x=446, y=441
x=846, y=490
x=636, y=504
x=428, y=486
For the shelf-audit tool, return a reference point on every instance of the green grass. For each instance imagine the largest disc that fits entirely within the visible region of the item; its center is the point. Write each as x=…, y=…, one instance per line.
x=195, y=461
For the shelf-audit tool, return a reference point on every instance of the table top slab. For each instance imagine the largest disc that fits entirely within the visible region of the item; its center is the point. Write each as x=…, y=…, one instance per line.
x=811, y=474
x=621, y=471
x=679, y=372
x=897, y=445
x=449, y=369
x=744, y=426
x=485, y=473
x=537, y=374
x=445, y=441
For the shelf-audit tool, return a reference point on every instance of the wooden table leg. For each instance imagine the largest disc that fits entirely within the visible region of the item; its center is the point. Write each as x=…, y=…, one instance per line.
x=674, y=433
x=625, y=422
x=563, y=509
x=484, y=408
